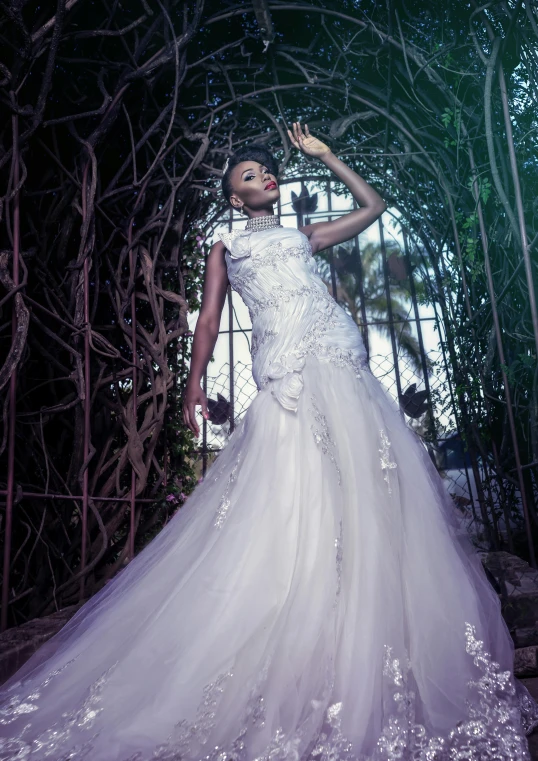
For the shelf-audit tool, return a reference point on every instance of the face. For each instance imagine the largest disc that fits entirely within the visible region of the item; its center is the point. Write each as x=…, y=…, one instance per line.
x=255, y=188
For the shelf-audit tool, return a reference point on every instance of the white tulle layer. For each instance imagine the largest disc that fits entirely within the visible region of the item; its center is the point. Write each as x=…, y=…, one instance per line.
x=276, y=614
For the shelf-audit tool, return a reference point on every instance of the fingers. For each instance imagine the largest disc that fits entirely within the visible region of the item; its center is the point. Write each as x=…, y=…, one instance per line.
x=293, y=136
x=293, y=141
x=297, y=137
x=189, y=416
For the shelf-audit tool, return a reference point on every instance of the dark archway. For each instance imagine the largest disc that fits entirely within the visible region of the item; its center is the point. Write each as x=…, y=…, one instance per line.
x=117, y=123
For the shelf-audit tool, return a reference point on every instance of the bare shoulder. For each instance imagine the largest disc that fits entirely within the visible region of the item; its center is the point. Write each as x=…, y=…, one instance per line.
x=216, y=260
x=217, y=249
x=215, y=284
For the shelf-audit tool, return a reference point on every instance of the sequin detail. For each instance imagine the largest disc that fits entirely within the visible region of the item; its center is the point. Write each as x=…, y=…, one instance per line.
x=279, y=295
x=338, y=542
x=239, y=284
x=186, y=732
x=255, y=709
x=498, y=717
x=57, y=737
x=494, y=731
x=16, y=706
x=386, y=462
x=322, y=435
x=276, y=254
x=258, y=340
x=225, y=501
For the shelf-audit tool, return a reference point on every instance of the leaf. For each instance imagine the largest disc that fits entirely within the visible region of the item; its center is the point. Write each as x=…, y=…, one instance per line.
x=447, y=116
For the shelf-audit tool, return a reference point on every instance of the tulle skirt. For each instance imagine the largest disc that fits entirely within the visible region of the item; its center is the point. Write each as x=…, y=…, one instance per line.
x=317, y=597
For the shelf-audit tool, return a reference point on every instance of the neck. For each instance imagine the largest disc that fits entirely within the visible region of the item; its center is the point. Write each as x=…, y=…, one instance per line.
x=260, y=213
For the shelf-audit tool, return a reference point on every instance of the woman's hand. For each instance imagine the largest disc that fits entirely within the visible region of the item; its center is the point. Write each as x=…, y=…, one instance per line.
x=306, y=142
x=194, y=395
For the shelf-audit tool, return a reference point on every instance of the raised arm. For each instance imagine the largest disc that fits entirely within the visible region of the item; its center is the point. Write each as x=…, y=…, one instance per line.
x=205, y=334
x=325, y=234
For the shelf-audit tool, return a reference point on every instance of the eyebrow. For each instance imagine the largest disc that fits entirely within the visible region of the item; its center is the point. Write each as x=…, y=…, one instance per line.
x=252, y=170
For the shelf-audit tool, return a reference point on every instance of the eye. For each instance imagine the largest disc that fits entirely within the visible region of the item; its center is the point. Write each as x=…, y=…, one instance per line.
x=248, y=177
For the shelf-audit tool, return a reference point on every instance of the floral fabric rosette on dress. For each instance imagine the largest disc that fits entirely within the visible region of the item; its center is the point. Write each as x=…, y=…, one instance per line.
x=288, y=379
x=238, y=243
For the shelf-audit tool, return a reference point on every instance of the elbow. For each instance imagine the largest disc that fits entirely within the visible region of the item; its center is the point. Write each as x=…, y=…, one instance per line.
x=382, y=206
x=378, y=209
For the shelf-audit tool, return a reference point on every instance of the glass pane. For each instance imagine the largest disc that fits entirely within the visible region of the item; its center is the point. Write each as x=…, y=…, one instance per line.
x=285, y=197
x=319, y=188
x=314, y=188
x=341, y=202
x=290, y=221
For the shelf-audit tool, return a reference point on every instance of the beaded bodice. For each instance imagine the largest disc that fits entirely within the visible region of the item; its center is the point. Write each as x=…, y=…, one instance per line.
x=292, y=312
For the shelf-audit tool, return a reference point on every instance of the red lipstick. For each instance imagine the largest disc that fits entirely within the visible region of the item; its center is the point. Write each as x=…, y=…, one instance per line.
x=271, y=185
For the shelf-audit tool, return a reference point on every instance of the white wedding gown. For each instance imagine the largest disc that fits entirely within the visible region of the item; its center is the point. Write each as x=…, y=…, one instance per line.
x=316, y=598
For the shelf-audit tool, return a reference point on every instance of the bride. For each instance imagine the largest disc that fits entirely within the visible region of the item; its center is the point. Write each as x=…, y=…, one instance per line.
x=316, y=598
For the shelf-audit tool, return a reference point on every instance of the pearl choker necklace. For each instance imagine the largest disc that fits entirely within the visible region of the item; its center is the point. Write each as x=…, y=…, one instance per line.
x=263, y=223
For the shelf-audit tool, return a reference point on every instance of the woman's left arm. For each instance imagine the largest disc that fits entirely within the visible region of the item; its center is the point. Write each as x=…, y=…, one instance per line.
x=325, y=234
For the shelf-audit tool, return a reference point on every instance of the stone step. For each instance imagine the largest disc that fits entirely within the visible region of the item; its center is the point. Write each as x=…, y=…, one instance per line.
x=20, y=642
x=526, y=662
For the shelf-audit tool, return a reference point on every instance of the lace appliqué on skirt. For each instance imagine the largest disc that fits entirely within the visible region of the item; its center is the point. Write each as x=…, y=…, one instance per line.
x=386, y=462
x=498, y=719
x=338, y=543
x=225, y=501
x=58, y=737
x=322, y=435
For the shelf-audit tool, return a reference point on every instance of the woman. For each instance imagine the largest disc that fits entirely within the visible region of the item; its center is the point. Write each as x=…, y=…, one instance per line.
x=316, y=598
